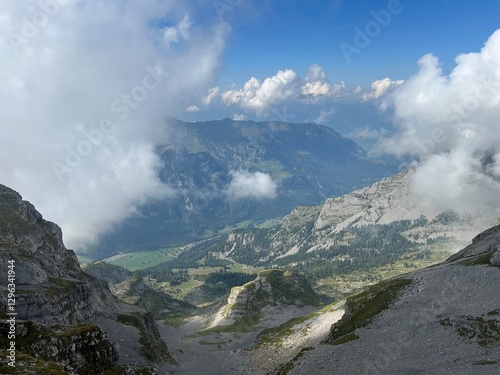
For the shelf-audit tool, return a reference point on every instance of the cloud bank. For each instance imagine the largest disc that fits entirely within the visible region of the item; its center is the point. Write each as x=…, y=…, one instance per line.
x=290, y=97
x=451, y=124
x=286, y=86
x=85, y=89
x=257, y=185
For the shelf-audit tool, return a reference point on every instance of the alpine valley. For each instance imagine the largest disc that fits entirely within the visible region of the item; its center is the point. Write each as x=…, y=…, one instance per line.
x=342, y=268
x=204, y=161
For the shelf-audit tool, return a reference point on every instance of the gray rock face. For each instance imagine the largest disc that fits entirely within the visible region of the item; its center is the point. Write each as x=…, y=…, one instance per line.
x=78, y=349
x=270, y=288
x=486, y=242
x=56, y=300
x=446, y=321
x=50, y=284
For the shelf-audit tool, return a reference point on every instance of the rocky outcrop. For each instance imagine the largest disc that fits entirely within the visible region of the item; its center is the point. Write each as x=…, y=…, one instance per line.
x=134, y=290
x=270, y=288
x=488, y=242
x=108, y=272
x=50, y=285
x=58, y=305
x=83, y=349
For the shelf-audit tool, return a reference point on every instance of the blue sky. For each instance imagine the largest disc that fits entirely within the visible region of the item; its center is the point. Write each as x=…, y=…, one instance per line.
x=268, y=37
x=295, y=34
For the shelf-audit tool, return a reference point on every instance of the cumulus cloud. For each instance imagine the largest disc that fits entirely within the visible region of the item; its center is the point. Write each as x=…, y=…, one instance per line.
x=324, y=116
x=317, y=84
x=256, y=185
x=212, y=95
x=85, y=89
x=380, y=88
x=284, y=87
x=192, y=108
x=259, y=96
x=450, y=123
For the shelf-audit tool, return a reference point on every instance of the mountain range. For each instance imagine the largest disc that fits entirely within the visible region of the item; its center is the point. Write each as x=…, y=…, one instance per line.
x=368, y=228
x=438, y=320
x=228, y=173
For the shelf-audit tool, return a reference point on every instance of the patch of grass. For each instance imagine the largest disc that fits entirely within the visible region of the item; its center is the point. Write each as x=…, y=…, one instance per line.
x=484, y=331
x=275, y=335
x=285, y=368
x=175, y=319
x=58, y=285
x=478, y=260
x=361, y=308
x=26, y=364
x=247, y=323
x=145, y=259
x=269, y=223
x=485, y=362
x=219, y=344
x=345, y=339
x=237, y=267
x=342, y=286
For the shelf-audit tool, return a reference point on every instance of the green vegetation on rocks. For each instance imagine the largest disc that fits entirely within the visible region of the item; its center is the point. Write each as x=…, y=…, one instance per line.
x=362, y=307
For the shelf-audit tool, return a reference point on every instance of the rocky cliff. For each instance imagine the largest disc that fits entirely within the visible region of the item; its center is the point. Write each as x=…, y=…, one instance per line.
x=272, y=290
x=50, y=284
x=63, y=313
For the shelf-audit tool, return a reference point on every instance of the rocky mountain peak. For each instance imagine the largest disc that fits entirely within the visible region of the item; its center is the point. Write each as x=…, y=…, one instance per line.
x=54, y=287
x=270, y=288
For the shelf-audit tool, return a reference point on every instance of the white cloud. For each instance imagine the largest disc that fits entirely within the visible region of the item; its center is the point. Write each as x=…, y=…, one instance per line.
x=175, y=34
x=88, y=94
x=316, y=84
x=284, y=87
x=192, y=108
x=324, y=116
x=259, y=96
x=381, y=88
x=245, y=184
x=239, y=117
x=212, y=95
x=450, y=122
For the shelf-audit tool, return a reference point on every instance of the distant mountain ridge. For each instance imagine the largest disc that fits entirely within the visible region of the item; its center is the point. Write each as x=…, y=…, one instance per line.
x=307, y=162
x=368, y=227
